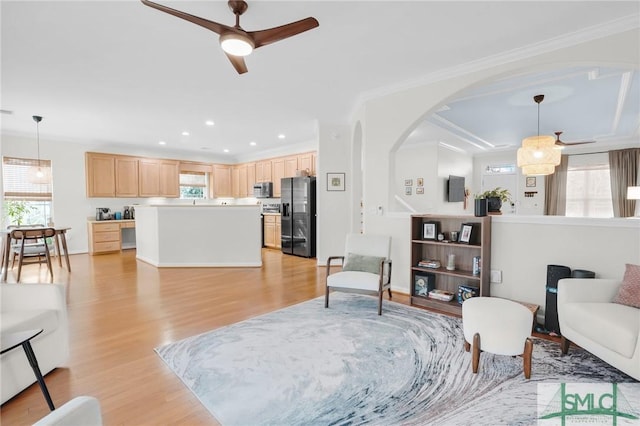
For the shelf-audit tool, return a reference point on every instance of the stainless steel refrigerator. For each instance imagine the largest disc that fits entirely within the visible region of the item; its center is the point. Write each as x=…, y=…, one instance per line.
x=298, y=216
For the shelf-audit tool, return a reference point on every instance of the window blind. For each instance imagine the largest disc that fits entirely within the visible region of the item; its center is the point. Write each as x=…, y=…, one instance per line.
x=18, y=179
x=193, y=179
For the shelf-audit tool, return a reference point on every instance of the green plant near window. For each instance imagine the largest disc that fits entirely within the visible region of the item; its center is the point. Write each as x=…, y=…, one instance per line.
x=17, y=210
x=503, y=194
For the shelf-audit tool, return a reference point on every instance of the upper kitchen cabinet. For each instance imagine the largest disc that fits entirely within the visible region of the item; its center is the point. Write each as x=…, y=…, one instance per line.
x=158, y=178
x=126, y=176
x=290, y=166
x=239, y=181
x=100, y=175
x=277, y=173
x=305, y=162
x=263, y=171
x=251, y=178
x=221, y=180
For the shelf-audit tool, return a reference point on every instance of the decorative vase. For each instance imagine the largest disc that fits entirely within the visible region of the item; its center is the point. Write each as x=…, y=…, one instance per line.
x=494, y=204
x=480, y=207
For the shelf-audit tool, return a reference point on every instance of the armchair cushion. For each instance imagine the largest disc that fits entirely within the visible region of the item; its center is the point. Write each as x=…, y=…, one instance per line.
x=362, y=263
x=629, y=290
x=356, y=280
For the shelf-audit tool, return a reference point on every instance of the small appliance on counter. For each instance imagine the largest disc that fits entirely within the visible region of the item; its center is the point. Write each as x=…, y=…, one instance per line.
x=126, y=214
x=103, y=213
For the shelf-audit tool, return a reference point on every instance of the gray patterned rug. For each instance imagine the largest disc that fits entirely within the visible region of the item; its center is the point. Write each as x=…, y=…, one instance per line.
x=307, y=365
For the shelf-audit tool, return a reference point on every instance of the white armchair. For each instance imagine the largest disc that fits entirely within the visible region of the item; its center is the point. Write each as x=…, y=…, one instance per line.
x=28, y=307
x=82, y=410
x=589, y=318
x=366, y=267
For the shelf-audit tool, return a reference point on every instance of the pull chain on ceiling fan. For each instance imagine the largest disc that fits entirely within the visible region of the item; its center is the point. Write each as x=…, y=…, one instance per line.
x=235, y=41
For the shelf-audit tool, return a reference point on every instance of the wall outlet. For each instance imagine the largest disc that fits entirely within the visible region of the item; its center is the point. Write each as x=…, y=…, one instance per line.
x=496, y=276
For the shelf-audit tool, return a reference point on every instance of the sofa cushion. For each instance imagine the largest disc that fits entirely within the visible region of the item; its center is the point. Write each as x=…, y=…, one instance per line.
x=612, y=325
x=629, y=290
x=13, y=321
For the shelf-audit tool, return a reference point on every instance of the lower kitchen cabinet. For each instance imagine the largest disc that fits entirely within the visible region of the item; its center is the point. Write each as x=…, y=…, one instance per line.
x=272, y=230
x=106, y=237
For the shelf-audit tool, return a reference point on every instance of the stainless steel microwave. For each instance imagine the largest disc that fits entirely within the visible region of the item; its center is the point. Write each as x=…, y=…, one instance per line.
x=263, y=190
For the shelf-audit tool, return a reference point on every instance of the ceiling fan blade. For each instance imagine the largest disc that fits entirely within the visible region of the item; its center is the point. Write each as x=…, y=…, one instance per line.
x=271, y=35
x=210, y=25
x=559, y=142
x=238, y=63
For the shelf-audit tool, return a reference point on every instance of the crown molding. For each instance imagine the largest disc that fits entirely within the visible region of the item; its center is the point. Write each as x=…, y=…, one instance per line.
x=594, y=32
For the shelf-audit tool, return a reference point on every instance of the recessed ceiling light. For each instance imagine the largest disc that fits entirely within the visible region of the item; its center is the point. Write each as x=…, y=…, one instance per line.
x=185, y=133
x=162, y=143
x=209, y=123
x=252, y=143
x=225, y=150
x=281, y=136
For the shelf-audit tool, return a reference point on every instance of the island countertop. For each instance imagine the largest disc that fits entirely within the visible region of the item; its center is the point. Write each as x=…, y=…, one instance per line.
x=199, y=235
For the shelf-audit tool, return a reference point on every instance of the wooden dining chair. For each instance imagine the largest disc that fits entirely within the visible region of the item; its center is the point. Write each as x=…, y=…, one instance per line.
x=31, y=249
x=35, y=239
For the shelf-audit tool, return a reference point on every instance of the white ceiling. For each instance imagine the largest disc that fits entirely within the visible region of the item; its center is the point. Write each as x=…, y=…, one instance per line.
x=119, y=72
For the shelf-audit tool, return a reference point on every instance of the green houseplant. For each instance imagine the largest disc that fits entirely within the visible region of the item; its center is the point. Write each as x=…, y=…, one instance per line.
x=17, y=210
x=495, y=197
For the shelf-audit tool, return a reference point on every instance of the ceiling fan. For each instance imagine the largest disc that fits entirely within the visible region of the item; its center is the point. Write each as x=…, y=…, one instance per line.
x=235, y=41
x=563, y=144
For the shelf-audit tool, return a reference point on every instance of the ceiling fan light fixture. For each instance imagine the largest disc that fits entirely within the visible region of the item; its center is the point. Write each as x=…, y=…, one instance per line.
x=236, y=44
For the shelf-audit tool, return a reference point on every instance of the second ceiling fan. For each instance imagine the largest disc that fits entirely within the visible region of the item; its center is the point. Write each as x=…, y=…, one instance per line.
x=235, y=41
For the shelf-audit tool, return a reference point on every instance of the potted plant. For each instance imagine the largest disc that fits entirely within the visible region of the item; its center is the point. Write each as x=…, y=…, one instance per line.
x=495, y=198
x=17, y=210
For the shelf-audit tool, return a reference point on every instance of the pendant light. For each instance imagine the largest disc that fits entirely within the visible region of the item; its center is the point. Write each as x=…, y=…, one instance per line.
x=39, y=174
x=538, y=155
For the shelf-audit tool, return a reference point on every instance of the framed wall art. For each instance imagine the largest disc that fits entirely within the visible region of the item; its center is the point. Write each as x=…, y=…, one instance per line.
x=335, y=181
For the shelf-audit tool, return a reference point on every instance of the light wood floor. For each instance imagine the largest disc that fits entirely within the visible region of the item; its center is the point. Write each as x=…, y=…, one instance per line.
x=120, y=309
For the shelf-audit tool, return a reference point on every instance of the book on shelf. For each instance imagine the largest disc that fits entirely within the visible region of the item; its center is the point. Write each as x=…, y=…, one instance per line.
x=442, y=295
x=429, y=263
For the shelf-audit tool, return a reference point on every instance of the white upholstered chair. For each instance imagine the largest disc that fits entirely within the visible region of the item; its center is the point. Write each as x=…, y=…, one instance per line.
x=366, y=267
x=82, y=410
x=498, y=326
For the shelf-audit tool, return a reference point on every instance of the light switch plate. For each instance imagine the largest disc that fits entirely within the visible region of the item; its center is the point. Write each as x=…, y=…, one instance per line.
x=496, y=276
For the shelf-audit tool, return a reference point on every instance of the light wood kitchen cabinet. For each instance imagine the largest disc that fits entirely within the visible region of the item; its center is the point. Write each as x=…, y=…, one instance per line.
x=263, y=171
x=290, y=166
x=305, y=162
x=100, y=175
x=221, y=180
x=169, y=178
x=126, y=171
x=106, y=237
x=314, y=166
x=239, y=181
x=158, y=178
x=272, y=230
x=277, y=170
x=251, y=178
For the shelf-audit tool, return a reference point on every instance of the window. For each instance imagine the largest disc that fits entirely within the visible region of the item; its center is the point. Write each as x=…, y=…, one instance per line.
x=28, y=199
x=589, y=187
x=193, y=185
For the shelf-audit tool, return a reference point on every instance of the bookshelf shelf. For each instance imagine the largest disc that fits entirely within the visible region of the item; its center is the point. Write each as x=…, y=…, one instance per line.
x=479, y=245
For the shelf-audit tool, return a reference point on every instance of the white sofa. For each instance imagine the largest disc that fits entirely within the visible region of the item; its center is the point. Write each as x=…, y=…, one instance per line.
x=590, y=319
x=28, y=307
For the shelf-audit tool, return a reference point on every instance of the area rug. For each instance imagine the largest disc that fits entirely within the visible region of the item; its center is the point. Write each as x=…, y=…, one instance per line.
x=307, y=365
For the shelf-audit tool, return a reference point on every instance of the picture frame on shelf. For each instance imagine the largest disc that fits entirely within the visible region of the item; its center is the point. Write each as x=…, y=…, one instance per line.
x=466, y=233
x=423, y=283
x=429, y=230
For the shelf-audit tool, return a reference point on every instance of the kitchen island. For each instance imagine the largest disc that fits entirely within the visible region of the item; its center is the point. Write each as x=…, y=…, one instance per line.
x=199, y=235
